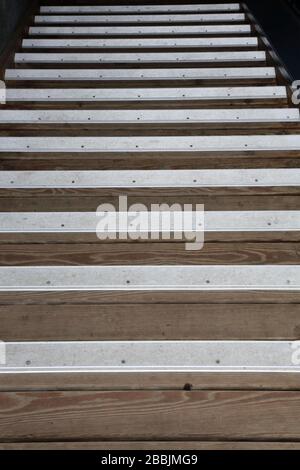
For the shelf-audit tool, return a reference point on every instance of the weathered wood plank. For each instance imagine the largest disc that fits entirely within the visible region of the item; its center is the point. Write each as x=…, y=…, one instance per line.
x=91, y=203
x=161, y=415
x=108, y=297
x=149, y=322
x=148, y=445
x=249, y=160
x=149, y=381
x=148, y=253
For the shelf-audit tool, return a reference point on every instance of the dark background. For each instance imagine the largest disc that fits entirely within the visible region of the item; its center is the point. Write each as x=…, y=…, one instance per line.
x=10, y=13
x=280, y=20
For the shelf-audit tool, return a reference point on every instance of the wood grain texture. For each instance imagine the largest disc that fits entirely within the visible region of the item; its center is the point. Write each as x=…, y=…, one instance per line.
x=152, y=253
x=87, y=129
x=149, y=381
x=148, y=445
x=123, y=297
x=149, y=322
x=23, y=162
x=150, y=415
x=91, y=203
x=149, y=104
x=90, y=238
x=14, y=192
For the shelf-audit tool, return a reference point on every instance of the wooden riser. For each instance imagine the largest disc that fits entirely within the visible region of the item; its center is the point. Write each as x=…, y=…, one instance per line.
x=149, y=322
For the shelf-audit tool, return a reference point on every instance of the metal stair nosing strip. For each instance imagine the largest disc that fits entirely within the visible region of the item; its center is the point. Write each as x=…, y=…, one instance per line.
x=87, y=222
x=134, y=18
x=139, y=30
x=141, y=8
x=144, y=94
x=147, y=116
x=182, y=74
x=212, y=278
x=138, y=144
x=268, y=177
x=142, y=43
x=137, y=58
x=149, y=356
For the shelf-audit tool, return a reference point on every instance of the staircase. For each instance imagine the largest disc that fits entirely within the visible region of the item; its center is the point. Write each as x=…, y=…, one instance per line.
x=141, y=343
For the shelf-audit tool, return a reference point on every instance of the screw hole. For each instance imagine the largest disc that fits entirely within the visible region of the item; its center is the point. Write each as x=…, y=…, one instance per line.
x=187, y=387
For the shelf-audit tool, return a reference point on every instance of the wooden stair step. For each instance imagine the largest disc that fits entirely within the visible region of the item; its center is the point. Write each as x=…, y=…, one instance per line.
x=154, y=30
x=166, y=74
x=140, y=8
x=133, y=18
x=34, y=95
x=139, y=58
x=211, y=42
